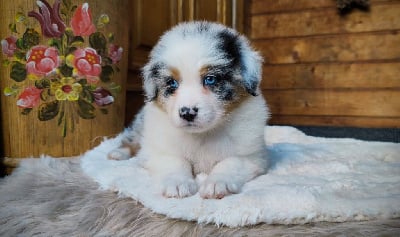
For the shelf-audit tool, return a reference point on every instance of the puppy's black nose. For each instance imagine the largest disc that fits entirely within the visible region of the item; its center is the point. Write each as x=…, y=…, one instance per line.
x=188, y=114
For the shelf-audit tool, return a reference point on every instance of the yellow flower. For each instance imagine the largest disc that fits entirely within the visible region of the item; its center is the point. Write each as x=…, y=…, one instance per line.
x=66, y=89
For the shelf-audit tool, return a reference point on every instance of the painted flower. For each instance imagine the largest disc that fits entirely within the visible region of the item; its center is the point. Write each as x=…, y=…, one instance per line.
x=49, y=18
x=42, y=60
x=29, y=98
x=115, y=53
x=81, y=21
x=86, y=63
x=8, y=46
x=102, y=97
x=66, y=89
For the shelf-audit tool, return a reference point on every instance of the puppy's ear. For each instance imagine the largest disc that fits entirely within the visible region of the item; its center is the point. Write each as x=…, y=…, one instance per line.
x=149, y=73
x=251, y=63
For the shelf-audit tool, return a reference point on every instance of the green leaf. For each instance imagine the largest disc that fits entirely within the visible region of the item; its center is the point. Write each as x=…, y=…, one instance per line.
x=12, y=27
x=98, y=41
x=20, y=17
x=55, y=43
x=67, y=3
x=85, y=94
x=48, y=110
x=104, y=111
x=18, y=71
x=42, y=84
x=70, y=50
x=6, y=62
x=60, y=118
x=30, y=38
x=66, y=70
x=106, y=73
x=114, y=88
x=83, y=82
x=103, y=20
x=11, y=91
x=44, y=95
x=20, y=55
x=110, y=37
x=107, y=60
x=26, y=111
x=77, y=40
x=20, y=43
x=86, y=110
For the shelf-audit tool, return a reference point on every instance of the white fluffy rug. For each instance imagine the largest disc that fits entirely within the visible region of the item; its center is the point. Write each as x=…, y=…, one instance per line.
x=310, y=179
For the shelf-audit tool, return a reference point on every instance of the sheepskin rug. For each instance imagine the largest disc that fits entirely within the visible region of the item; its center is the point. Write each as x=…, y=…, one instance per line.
x=56, y=197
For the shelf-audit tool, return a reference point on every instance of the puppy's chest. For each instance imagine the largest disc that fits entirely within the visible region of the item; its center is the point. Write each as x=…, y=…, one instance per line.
x=204, y=154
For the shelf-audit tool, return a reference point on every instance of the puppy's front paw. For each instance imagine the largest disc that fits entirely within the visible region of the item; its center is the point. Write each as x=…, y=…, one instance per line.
x=178, y=187
x=122, y=153
x=218, y=187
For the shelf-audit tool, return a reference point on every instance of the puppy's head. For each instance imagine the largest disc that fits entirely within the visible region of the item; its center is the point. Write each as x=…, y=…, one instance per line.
x=198, y=72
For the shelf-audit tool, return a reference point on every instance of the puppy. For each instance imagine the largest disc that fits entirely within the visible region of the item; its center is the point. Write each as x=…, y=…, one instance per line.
x=204, y=113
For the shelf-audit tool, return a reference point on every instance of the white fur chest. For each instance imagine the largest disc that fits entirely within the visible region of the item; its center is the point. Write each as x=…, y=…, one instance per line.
x=203, y=151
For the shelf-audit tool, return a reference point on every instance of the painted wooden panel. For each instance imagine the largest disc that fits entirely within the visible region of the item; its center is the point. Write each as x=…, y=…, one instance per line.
x=66, y=115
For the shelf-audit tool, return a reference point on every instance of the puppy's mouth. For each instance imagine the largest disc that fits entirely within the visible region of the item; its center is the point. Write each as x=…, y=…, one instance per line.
x=192, y=127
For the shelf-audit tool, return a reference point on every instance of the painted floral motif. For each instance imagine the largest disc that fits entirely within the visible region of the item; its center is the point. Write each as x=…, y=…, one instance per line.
x=8, y=46
x=29, y=98
x=115, y=53
x=66, y=89
x=42, y=60
x=81, y=22
x=65, y=69
x=86, y=62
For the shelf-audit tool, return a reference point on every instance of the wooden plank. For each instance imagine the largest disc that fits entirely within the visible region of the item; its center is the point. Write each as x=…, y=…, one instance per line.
x=342, y=121
x=134, y=81
x=325, y=21
x=339, y=48
x=370, y=103
x=328, y=76
x=266, y=6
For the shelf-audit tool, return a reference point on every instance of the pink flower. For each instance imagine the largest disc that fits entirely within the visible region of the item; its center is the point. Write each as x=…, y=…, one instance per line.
x=81, y=22
x=8, y=45
x=49, y=18
x=29, y=98
x=102, y=97
x=42, y=60
x=86, y=63
x=115, y=53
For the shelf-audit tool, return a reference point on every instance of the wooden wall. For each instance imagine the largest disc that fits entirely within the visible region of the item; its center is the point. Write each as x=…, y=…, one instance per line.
x=322, y=68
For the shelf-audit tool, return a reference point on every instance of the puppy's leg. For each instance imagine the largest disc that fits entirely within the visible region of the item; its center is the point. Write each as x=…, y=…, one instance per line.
x=130, y=143
x=229, y=175
x=173, y=176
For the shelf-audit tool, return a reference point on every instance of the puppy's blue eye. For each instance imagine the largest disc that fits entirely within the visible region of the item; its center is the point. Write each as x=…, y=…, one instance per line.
x=172, y=83
x=209, y=80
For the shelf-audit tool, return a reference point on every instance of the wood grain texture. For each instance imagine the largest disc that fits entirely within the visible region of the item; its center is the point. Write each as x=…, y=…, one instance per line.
x=325, y=21
x=268, y=6
x=332, y=75
x=339, y=48
x=340, y=121
x=25, y=135
x=354, y=102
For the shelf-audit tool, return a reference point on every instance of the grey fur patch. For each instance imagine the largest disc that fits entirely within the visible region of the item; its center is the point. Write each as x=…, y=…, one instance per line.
x=52, y=197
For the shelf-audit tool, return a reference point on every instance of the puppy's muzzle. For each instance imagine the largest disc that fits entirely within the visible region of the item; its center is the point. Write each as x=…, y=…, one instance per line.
x=188, y=114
